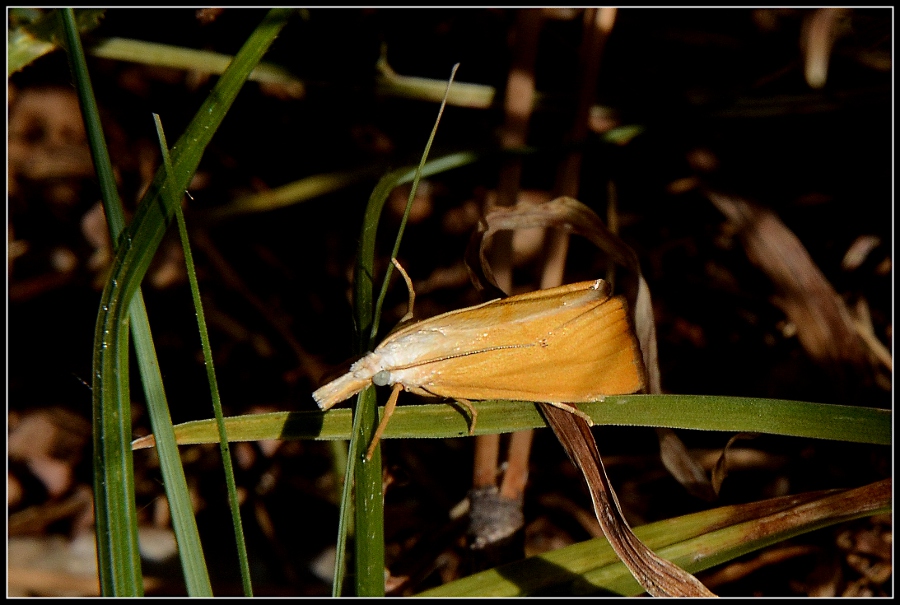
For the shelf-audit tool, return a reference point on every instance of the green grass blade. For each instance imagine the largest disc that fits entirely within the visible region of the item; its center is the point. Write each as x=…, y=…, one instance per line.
x=211, y=378
x=114, y=484
x=178, y=57
x=850, y=424
x=364, y=277
x=295, y=192
x=369, y=506
x=113, y=467
x=369, y=501
x=117, y=539
x=365, y=478
x=233, y=503
x=28, y=40
x=694, y=542
x=345, y=520
x=190, y=549
x=736, y=414
x=154, y=214
x=409, y=202
x=184, y=525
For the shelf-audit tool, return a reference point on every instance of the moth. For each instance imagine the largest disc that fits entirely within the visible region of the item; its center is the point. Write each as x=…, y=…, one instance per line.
x=564, y=345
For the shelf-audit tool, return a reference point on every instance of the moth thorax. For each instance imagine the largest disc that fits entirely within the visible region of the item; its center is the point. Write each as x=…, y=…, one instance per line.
x=381, y=378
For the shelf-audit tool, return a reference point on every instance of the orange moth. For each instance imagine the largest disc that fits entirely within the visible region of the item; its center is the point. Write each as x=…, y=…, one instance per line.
x=563, y=345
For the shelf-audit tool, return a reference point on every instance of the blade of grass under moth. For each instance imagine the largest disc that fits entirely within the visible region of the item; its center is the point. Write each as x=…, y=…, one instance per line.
x=185, y=510
x=696, y=541
x=369, y=506
x=851, y=424
x=119, y=560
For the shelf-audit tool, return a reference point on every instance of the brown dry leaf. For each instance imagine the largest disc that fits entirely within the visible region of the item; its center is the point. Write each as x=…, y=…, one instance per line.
x=820, y=30
x=50, y=442
x=722, y=464
x=46, y=136
x=825, y=326
x=683, y=466
x=658, y=577
x=782, y=516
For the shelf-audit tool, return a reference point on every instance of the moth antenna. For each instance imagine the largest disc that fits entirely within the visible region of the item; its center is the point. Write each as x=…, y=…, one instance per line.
x=409, y=288
x=388, y=412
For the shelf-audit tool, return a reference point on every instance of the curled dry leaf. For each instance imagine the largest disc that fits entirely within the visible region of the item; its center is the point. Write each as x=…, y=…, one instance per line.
x=683, y=467
x=722, y=464
x=660, y=578
x=825, y=326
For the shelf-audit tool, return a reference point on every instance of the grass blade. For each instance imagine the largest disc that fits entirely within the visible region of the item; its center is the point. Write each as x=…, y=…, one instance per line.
x=114, y=493
x=369, y=505
x=695, y=542
x=851, y=424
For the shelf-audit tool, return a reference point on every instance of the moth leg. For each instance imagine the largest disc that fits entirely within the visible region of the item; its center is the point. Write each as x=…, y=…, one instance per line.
x=572, y=410
x=388, y=412
x=473, y=413
x=409, y=288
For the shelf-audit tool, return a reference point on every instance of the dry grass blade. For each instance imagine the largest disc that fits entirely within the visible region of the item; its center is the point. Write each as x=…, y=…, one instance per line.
x=681, y=465
x=820, y=30
x=659, y=577
x=825, y=326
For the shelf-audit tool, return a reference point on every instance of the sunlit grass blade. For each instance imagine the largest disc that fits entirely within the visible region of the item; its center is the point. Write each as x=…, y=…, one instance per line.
x=114, y=492
x=369, y=506
x=851, y=424
x=213, y=388
x=117, y=539
x=373, y=333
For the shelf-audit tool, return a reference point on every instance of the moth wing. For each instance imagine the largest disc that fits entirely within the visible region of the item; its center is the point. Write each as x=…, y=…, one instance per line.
x=503, y=321
x=575, y=346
